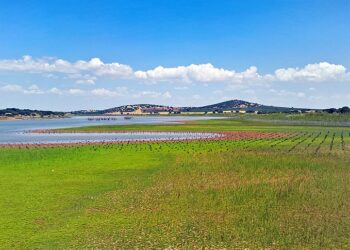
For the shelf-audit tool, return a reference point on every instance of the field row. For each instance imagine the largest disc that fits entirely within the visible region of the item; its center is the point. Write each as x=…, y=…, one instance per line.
x=317, y=142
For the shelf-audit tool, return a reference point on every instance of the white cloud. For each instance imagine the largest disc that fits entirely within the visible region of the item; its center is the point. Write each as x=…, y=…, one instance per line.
x=55, y=91
x=322, y=71
x=12, y=88
x=48, y=65
x=89, y=72
x=205, y=73
x=285, y=93
x=100, y=68
x=107, y=92
x=197, y=73
x=153, y=94
x=76, y=92
x=98, y=92
x=33, y=89
x=83, y=79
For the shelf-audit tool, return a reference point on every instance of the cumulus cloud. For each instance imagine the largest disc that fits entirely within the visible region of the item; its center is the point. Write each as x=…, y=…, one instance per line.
x=98, y=92
x=197, y=73
x=322, y=71
x=47, y=66
x=83, y=79
x=33, y=89
x=12, y=88
x=285, y=93
x=100, y=68
x=90, y=71
x=55, y=91
x=119, y=91
x=153, y=94
x=102, y=92
x=76, y=92
x=207, y=73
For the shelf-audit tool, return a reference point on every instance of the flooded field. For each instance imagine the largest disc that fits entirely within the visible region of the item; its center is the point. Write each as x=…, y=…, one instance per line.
x=61, y=138
x=18, y=132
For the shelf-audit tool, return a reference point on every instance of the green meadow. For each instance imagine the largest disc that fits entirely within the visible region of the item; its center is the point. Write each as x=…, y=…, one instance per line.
x=274, y=193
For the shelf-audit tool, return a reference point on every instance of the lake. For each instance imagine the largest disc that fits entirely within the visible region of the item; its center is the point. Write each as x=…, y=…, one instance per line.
x=17, y=131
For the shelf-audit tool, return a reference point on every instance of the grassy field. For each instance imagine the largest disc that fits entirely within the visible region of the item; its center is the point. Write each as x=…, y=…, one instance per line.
x=283, y=193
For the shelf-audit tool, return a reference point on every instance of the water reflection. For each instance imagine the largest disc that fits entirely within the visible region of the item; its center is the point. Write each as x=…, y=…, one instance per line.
x=16, y=132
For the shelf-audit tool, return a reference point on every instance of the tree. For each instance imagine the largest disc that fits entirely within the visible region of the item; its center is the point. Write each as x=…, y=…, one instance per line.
x=344, y=110
x=331, y=110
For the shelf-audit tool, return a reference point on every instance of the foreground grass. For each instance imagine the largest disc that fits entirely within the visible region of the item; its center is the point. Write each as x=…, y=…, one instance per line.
x=217, y=194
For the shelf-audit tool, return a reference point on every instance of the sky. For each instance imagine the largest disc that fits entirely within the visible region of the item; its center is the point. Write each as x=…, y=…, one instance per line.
x=70, y=55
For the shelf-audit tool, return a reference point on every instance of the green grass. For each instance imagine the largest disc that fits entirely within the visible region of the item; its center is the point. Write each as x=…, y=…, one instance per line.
x=303, y=117
x=262, y=193
x=203, y=125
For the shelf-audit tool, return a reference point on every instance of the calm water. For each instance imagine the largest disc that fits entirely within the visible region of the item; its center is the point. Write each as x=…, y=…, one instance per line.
x=16, y=132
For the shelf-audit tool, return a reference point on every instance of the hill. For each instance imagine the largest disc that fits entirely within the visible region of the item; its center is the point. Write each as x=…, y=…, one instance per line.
x=144, y=109
x=232, y=105
x=15, y=112
x=236, y=105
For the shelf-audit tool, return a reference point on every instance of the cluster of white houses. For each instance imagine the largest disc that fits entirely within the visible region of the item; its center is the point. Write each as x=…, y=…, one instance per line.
x=171, y=110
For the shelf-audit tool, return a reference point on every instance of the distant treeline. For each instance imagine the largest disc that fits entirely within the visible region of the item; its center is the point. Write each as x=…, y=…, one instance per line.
x=28, y=112
x=217, y=109
x=342, y=110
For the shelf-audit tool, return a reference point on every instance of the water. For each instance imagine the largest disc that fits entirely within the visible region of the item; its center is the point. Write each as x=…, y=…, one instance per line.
x=18, y=131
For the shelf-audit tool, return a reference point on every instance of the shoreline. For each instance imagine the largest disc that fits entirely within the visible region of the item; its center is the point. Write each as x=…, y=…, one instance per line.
x=30, y=118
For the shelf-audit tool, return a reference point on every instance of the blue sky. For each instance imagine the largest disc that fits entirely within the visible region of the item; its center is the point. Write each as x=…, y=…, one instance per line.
x=67, y=55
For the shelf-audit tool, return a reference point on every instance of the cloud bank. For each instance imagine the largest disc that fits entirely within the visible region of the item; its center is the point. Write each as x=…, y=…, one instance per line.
x=97, y=92
x=89, y=72
x=82, y=71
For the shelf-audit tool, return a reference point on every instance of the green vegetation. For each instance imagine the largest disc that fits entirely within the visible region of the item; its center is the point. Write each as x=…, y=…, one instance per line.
x=236, y=123
x=303, y=117
x=11, y=112
x=283, y=193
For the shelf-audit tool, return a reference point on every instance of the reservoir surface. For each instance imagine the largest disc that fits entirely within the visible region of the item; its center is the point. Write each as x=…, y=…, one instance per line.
x=18, y=131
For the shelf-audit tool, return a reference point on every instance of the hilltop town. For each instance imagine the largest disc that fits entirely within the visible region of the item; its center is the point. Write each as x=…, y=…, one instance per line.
x=232, y=106
x=227, y=107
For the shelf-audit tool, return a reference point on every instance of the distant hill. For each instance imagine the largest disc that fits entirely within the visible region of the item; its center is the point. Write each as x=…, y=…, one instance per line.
x=232, y=105
x=236, y=105
x=14, y=112
x=142, y=108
